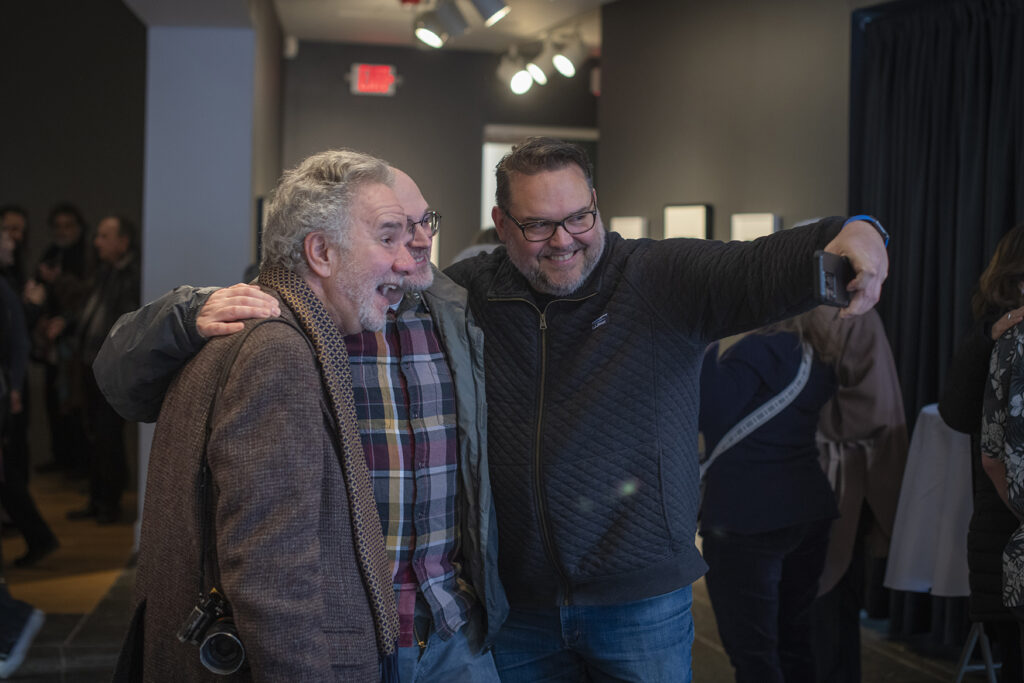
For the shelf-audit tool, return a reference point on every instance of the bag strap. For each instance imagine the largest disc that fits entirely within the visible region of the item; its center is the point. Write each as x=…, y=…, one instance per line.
x=205, y=475
x=765, y=411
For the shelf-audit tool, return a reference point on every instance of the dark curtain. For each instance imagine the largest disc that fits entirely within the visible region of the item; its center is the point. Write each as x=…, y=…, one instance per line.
x=937, y=154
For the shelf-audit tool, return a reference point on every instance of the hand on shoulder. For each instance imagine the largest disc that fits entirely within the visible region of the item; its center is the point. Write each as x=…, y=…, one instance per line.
x=226, y=309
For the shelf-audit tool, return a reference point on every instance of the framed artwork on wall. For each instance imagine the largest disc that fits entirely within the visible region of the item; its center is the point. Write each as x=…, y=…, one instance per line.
x=687, y=220
x=630, y=227
x=750, y=226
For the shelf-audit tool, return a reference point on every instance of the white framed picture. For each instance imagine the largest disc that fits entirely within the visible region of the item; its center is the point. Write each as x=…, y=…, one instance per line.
x=630, y=227
x=687, y=220
x=750, y=226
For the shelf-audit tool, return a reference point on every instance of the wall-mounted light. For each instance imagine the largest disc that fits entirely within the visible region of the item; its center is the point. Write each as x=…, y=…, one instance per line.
x=540, y=66
x=569, y=57
x=491, y=11
x=511, y=71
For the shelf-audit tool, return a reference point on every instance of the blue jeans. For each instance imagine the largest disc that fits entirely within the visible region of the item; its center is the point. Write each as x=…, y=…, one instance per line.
x=761, y=588
x=445, y=660
x=648, y=640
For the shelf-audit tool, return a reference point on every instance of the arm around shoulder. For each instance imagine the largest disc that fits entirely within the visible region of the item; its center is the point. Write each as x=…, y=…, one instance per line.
x=145, y=349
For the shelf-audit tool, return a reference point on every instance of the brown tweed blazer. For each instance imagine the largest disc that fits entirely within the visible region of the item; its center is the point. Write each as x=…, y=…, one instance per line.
x=283, y=540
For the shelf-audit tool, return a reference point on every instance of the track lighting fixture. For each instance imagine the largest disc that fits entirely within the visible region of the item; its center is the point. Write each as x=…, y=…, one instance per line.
x=540, y=66
x=427, y=28
x=435, y=27
x=570, y=56
x=451, y=18
x=491, y=11
x=511, y=71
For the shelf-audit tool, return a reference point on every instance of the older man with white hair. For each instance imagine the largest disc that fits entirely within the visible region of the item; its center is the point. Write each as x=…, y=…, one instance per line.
x=259, y=505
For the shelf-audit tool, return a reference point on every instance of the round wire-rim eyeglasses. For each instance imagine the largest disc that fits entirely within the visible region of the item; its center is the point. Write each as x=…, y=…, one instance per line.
x=431, y=221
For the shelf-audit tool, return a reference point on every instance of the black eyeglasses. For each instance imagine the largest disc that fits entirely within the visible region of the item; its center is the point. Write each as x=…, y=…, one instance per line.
x=431, y=221
x=542, y=231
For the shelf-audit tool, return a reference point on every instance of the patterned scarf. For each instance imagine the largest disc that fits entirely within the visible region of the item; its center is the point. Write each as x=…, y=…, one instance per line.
x=337, y=377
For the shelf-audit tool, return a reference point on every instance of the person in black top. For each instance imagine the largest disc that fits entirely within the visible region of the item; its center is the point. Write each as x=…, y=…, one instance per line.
x=996, y=306
x=767, y=505
x=115, y=291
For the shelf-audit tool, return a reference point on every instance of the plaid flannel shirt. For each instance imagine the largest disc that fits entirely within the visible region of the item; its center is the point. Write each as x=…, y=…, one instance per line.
x=405, y=402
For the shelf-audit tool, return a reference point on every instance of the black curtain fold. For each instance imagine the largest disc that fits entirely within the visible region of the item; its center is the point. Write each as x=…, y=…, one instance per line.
x=937, y=154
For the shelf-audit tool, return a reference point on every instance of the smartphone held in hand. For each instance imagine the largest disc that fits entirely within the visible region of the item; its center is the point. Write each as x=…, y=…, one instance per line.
x=833, y=274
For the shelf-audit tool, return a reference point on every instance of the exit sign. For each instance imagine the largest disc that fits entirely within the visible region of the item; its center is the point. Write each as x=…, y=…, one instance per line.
x=372, y=79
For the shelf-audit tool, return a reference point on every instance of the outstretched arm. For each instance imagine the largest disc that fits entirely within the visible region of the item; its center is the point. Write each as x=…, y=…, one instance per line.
x=147, y=347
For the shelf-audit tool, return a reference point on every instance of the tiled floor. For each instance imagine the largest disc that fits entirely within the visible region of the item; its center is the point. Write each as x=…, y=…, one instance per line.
x=82, y=632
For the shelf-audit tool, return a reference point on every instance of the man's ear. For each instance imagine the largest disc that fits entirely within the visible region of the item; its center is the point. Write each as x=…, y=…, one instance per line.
x=498, y=217
x=319, y=253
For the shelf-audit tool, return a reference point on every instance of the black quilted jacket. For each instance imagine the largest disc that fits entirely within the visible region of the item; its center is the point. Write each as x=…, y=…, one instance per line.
x=592, y=405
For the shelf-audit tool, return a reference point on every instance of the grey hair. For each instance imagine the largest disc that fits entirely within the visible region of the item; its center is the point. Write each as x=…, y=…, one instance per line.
x=314, y=196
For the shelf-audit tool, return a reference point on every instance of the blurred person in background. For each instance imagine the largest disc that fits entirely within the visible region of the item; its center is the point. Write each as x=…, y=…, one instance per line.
x=14, y=221
x=14, y=494
x=114, y=292
x=767, y=506
x=19, y=621
x=862, y=439
x=996, y=307
x=56, y=292
x=485, y=242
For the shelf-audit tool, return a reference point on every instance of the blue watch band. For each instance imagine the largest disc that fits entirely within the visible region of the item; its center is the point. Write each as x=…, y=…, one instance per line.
x=873, y=221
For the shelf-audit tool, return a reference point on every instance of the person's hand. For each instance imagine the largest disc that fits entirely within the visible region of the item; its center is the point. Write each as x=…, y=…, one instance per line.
x=55, y=327
x=226, y=308
x=861, y=243
x=1006, y=322
x=34, y=293
x=48, y=273
x=15, y=402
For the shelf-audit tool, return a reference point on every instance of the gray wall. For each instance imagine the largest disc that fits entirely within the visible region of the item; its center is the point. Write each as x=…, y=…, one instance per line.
x=71, y=124
x=432, y=128
x=741, y=105
x=198, y=221
x=266, y=110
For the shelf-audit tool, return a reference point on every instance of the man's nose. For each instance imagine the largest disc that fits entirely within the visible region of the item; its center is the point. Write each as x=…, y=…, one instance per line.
x=421, y=237
x=404, y=262
x=561, y=237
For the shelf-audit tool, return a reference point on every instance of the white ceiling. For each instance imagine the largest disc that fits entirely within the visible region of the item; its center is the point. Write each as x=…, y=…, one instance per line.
x=389, y=22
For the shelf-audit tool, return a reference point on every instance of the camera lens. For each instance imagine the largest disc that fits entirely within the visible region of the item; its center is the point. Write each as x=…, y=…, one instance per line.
x=221, y=650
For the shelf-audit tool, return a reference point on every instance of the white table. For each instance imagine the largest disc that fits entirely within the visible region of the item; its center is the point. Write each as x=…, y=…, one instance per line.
x=928, y=552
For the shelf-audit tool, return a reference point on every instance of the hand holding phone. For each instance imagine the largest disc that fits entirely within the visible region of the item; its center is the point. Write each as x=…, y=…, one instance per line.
x=833, y=273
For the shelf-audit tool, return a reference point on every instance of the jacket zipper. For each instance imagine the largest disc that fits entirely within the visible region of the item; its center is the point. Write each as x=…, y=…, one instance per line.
x=538, y=484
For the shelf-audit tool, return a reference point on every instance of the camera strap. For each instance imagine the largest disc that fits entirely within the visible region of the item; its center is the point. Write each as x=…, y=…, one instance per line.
x=205, y=482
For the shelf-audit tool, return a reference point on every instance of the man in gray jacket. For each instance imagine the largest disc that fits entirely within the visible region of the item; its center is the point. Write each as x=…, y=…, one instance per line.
x=420, y=402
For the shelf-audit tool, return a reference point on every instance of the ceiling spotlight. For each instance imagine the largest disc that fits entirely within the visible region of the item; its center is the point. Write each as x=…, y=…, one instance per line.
x=451, y=18
x=436, y=26
x=492, y=11
x=429, y=30
x=540, y=66
x=569, y=57
x=511, y=71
